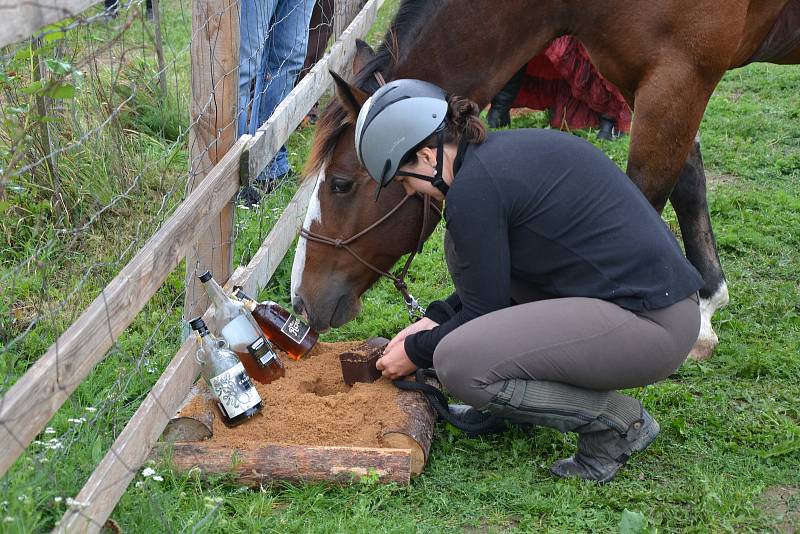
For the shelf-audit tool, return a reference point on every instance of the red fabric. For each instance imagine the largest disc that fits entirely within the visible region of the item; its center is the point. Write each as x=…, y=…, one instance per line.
x=564, y=79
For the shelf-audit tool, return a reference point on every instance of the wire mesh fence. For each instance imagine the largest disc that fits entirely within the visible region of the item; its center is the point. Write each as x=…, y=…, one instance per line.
x=99, y=146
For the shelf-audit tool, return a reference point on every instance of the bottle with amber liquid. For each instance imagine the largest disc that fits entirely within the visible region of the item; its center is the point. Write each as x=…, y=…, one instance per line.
x=289, y=333
x=230, y=384
x=238, y=327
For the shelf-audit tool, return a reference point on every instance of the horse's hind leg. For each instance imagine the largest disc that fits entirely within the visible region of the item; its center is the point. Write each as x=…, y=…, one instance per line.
x=690, y=204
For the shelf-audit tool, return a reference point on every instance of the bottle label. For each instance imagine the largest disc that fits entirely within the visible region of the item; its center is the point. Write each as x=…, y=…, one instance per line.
x=235, y=391
x=296, y=329
x=239, y=333
x=262, y=352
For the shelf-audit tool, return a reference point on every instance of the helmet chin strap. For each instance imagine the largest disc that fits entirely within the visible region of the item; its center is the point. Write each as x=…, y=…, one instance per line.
x=437, y=180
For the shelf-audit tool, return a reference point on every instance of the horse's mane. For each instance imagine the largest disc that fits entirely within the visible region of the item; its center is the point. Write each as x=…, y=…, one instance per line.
x=334, y=119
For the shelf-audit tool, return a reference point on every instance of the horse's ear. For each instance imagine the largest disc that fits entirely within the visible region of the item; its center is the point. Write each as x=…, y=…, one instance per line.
x=364, y=53
x=351, y=97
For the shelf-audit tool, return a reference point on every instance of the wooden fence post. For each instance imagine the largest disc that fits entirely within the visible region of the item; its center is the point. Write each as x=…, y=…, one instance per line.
x=159, y=44
x=214, y=99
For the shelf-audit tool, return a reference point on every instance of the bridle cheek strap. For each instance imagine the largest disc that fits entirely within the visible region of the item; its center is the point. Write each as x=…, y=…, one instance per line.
x=415, y=311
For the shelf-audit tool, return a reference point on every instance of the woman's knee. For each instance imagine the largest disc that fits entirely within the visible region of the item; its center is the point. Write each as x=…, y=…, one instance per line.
x=452, y=362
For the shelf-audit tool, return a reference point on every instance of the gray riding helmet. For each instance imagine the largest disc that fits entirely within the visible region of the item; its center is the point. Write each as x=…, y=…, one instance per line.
x=395, y=119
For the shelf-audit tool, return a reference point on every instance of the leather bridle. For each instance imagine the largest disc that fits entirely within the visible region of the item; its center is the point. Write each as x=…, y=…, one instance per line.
x=415, y=311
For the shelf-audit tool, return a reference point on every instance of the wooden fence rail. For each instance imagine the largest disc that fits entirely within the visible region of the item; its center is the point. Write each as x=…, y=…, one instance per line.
x=23, y=19
x=32, y=401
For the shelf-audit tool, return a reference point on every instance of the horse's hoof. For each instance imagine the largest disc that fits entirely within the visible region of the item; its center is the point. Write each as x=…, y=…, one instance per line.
x=703, y=349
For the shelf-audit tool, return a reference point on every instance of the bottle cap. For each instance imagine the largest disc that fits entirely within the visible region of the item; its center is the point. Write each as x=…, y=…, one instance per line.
x=206, y=276
x=239, y=293
x=197, y=323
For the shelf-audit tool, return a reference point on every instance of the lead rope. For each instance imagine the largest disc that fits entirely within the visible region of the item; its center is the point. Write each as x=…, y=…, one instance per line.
x=490, y=424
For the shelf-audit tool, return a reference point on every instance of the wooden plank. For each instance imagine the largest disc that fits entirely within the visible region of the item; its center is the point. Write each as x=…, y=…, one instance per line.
x=110, y=479
x=120, y=467
x=213, y=104
x=294, y=463
x=276, y=130
x=39, y=393
x=22, y=19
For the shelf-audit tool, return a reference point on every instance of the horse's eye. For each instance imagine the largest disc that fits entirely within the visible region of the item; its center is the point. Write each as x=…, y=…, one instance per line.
x=338, y=185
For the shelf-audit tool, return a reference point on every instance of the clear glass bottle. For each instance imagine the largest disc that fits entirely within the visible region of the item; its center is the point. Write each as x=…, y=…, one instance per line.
x=236, y=397
x=237, y=325
x=287, y=331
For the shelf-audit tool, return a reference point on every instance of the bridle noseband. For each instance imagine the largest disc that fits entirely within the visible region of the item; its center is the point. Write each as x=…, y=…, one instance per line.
x=415, y=311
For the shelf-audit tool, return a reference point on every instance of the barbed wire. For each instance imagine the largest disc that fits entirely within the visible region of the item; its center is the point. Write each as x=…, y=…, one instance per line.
x=95, y=156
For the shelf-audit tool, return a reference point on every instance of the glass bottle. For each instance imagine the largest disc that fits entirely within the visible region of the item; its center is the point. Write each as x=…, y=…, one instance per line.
x=240, y=330
x=287, y=331
x=236, y=397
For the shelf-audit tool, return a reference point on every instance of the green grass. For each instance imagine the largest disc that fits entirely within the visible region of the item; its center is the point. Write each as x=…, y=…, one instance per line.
x=731, y=425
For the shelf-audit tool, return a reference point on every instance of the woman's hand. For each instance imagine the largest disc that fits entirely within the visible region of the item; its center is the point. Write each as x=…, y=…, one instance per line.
x=394, y=363
x=413, y=328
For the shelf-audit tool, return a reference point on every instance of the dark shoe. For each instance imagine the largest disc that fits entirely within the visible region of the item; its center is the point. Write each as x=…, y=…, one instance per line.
x=470, y=416
x=267, y=184
x=248, y=197
x=608, y=129
x=601, y=454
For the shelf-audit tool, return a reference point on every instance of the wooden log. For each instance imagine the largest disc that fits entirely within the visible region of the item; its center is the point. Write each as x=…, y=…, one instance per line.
x=294, y=463
x=213, y=110
x=190, y=428
x=41, y=391
x=414, y=436
x=416, y=433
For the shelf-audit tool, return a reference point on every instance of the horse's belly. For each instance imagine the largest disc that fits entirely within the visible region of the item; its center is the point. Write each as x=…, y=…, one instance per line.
x=783, y=37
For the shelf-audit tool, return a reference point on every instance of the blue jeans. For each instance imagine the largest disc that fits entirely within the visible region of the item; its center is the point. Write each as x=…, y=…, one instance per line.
x=274, y=37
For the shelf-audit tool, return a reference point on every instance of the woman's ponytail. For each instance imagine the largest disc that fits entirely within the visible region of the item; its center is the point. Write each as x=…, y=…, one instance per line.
x=464, y=121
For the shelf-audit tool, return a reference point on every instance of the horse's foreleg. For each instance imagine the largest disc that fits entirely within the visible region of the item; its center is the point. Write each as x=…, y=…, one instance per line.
x=669, y=107
x=689, y=200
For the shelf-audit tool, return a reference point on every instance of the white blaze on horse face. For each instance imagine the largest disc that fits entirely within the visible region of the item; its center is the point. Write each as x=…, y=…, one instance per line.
x=707, y=340
x=313, y=214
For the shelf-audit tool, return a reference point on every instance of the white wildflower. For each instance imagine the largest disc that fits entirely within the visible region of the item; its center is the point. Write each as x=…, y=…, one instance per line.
x=37, y=442
x=58, y=499
x=49, y=430
x=148, y=472
x=91, y=409
x=158, y=478
x=139, y=484
x=22, y=498
x=8, y=519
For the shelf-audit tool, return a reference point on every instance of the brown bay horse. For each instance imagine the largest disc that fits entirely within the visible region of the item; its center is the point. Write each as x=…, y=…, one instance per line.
x=666, y=58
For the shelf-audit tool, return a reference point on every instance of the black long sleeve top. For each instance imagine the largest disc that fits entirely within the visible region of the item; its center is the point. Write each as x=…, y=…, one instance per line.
x=551, y=209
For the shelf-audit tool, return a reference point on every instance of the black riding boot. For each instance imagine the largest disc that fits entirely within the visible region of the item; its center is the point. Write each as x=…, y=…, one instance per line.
x=499, y=115
x=611, y=426
x=608, y=129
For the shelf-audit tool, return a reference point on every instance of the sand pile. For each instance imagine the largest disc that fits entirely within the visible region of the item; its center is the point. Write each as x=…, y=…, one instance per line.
x=312, y=405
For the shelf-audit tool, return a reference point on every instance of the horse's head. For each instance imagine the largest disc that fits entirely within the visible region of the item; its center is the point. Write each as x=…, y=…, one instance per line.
x=327, y=282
